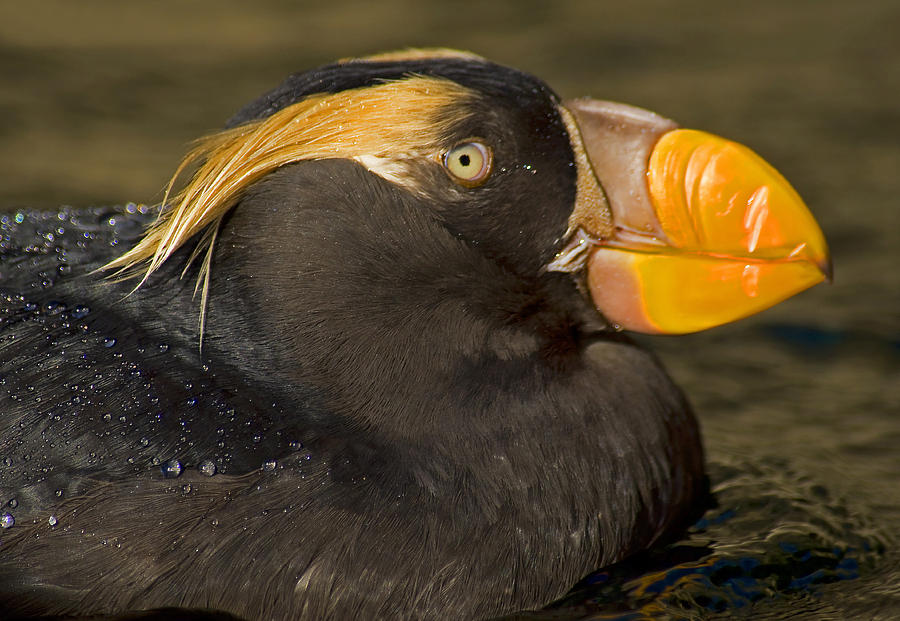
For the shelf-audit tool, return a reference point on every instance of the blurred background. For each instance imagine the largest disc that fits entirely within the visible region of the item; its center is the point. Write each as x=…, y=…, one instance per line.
x=99, y=100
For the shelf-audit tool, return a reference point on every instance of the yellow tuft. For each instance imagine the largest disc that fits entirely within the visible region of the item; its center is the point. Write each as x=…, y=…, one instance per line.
x=394, y=120
x=413, y=53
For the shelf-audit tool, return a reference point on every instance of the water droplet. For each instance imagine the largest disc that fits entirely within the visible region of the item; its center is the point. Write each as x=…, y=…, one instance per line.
x=207, y=467
x=52, y=520
x=192, y=402
x=109, y=342
x=145, y=442
x=7, y=520
x=163, y=348
x=13, y=503
x=80, y=311
x=59, y=493
x=269, y=465
x=186, y=488
x=172, y=469
x=107, y=417
x=296, y=446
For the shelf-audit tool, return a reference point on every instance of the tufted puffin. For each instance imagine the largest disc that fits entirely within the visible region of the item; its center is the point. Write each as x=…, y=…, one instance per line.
x=367, y=362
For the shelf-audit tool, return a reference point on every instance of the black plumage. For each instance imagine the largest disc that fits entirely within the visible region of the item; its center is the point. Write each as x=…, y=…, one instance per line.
x=397, y=412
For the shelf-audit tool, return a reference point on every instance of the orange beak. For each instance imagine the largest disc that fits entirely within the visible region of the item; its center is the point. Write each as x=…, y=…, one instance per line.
x=698, y=231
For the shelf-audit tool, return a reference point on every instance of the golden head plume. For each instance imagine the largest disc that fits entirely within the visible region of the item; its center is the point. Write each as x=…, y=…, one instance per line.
x=397, y=120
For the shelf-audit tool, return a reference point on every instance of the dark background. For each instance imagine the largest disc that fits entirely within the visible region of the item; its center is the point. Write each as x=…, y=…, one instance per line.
x=98, y=101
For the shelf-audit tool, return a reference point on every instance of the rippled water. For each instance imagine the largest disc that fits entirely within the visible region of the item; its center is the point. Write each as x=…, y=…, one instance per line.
x=802, y=442
x=799, y=406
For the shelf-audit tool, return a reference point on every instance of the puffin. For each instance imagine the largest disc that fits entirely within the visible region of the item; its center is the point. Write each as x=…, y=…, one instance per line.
x=368, y=358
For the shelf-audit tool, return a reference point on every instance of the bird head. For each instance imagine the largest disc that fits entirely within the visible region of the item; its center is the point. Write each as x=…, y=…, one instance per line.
x=667, y=230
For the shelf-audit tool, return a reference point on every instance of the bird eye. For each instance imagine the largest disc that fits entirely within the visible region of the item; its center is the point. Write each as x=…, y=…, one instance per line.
x=469, y=163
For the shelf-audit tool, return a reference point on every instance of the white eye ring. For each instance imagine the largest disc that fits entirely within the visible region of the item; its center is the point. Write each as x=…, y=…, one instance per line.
x=469, y=163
